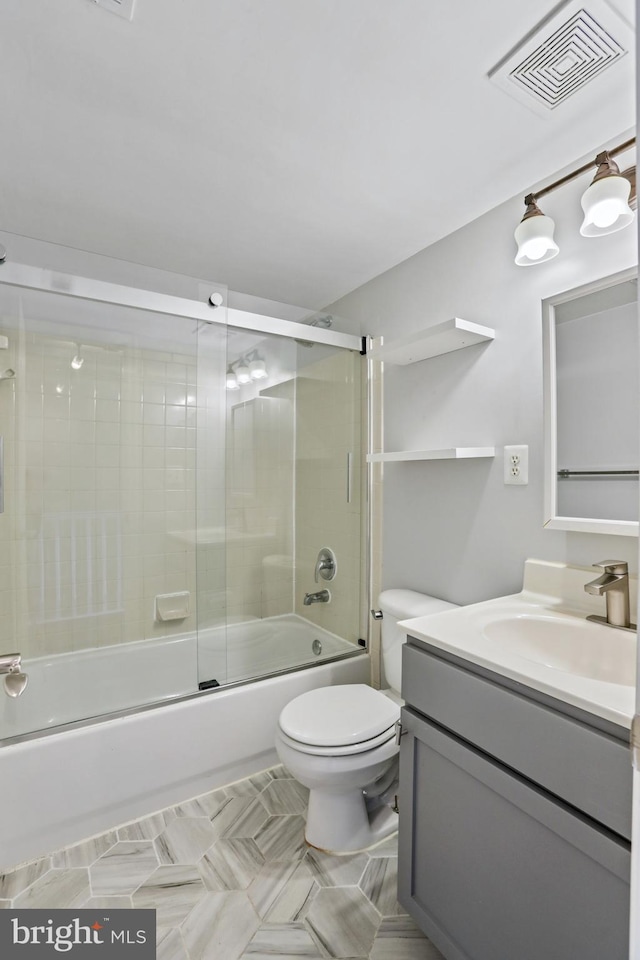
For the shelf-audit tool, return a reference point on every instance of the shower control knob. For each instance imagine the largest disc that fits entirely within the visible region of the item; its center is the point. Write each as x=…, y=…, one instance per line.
x=326, y=565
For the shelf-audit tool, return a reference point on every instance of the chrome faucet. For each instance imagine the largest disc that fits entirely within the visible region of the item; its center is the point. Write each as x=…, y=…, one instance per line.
x=15, y=680
x=322, y=596
x=614, y=584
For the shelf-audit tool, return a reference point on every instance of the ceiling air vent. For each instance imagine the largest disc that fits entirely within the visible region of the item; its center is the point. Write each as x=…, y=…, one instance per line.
x=122, y=8
x=563, y=54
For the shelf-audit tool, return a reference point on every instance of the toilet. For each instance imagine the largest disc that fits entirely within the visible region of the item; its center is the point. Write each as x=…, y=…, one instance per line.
x=339, y=742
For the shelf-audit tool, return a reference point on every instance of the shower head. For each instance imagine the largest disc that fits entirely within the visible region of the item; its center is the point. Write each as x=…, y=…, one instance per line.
x=324, y=321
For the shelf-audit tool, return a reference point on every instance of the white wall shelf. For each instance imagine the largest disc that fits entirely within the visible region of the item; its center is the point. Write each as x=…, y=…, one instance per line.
x=454, y=334
x=450, y=453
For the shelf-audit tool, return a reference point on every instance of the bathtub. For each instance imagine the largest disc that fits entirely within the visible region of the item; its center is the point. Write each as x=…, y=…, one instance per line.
x=76, y=782
x=104, y=680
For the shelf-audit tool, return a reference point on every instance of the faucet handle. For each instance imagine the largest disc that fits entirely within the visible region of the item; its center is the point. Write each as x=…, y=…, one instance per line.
x=326, y=565
x=613, y=566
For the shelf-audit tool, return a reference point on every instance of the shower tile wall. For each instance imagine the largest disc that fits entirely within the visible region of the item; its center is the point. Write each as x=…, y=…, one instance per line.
x=287, y=493
x=99, y=494
x=260, y=494
x=101, y=483
x=328, y=428
x=208, y=536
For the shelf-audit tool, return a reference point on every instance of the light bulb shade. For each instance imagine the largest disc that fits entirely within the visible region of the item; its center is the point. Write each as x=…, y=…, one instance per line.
x=232, y=382
x=606, y=206
x=534, y=236
x=257, y=369
x=243, y=374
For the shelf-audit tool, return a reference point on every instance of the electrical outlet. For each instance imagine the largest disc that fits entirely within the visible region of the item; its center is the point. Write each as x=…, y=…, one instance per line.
x=516, y=464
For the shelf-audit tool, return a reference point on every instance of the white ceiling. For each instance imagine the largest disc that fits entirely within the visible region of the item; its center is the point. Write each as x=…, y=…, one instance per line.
x=292, y=149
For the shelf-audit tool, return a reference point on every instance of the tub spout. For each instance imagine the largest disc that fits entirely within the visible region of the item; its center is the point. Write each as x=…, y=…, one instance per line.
x=322, y=596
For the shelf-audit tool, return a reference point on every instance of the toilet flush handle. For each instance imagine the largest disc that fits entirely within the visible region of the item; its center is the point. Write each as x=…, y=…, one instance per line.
x=376, y=614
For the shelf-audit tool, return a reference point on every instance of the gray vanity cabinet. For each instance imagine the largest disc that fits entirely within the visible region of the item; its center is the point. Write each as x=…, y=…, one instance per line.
x=498, y=860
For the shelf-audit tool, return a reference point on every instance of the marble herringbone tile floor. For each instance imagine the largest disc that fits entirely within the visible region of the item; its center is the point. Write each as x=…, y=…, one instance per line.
x=231, y=878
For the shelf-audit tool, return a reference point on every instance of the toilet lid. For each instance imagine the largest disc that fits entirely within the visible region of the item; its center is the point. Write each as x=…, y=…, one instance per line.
x=337, y=716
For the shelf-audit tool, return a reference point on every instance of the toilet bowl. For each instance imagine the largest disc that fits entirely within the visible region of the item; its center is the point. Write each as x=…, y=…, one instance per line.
x=340, y=742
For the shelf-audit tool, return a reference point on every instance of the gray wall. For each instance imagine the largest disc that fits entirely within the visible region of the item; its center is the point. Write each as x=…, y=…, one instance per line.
x=454, y=529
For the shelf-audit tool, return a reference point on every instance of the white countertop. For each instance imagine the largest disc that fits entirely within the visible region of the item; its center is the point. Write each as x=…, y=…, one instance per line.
x=470, y=633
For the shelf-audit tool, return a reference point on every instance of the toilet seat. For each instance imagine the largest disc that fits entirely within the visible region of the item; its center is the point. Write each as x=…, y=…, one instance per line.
x=340, y=720
x=345, y=750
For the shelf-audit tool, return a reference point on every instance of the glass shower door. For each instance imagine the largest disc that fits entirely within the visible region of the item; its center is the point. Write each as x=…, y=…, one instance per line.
x=98, y=410
x=168, y=486
x=293, y=487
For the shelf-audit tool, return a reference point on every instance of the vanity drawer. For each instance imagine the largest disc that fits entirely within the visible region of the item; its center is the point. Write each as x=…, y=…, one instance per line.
x=580, y=764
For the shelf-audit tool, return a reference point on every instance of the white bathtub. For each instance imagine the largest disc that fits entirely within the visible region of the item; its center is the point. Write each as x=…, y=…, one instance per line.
x=72, y=784
x=258, y=647
x=103, y=680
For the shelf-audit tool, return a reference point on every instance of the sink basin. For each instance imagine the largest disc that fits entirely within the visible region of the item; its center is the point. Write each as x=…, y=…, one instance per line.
x=541, y=638
x=572, y=645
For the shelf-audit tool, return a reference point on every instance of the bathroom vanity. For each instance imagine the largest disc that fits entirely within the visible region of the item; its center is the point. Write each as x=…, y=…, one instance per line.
x=515, y=791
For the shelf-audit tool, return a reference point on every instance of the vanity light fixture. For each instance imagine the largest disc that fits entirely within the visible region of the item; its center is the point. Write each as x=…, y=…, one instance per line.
x=243, y=373
x=232, y=381
x=245, y=369
x=257, y=366
x=534, y=235
x=606, y=201
x=606, y=205
x=257, y=369
x=78, y=359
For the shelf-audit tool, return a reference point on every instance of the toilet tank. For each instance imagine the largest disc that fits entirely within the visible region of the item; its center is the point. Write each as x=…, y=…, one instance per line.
x=400, y=605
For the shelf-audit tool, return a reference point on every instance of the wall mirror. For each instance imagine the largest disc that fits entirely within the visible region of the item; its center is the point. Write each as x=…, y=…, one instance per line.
x=591, y=393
